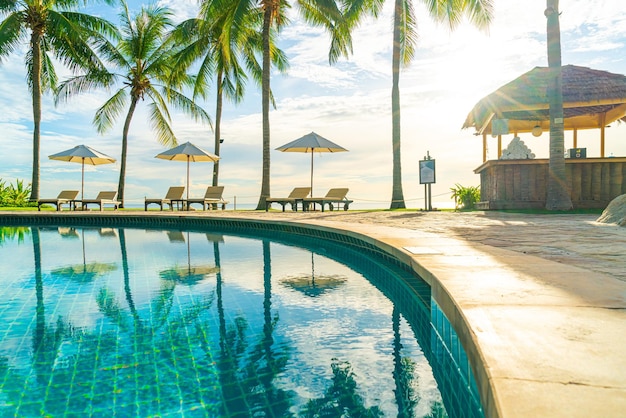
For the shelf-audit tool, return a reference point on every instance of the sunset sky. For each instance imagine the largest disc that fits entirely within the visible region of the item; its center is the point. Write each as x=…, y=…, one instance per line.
x=348, y=103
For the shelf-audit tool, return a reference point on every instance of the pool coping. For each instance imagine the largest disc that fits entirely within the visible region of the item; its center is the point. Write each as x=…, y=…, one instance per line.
x=543, y=338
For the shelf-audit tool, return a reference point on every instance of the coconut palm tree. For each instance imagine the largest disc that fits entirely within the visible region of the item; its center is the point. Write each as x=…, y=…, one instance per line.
x=479, y=12
x=558, y=197
x=331, y=15
x=227, y=52
x=145, y=57
x=51, y=29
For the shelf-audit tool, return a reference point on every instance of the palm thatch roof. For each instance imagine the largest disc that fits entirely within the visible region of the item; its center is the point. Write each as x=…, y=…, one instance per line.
x=591, y=99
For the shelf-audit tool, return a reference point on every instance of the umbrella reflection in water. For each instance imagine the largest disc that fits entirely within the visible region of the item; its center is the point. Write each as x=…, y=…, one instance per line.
x=85, y=272
x=188, y=274
x=312, y=285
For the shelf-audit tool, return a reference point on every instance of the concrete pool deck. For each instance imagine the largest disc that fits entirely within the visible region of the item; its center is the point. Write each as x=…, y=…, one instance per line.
x=538, y=301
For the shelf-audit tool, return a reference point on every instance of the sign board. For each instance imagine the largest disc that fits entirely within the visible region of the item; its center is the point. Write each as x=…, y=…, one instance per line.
x=427, y=171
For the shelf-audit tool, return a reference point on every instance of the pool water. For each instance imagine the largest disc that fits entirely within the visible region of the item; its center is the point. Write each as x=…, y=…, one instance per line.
x=141, y=322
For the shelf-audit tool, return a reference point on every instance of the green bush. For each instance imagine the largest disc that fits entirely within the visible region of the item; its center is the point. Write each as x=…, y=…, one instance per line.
x=465, y=197
x=14, y=195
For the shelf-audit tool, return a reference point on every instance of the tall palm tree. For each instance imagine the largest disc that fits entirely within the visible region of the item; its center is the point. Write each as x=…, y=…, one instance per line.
x=145, y=56
x=332, y=15
x=558, y=197
x=51, y=29
x=479, y=12
x=227, y=52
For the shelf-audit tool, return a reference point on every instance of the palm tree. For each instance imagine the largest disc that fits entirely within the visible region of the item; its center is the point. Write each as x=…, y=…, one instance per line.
x=145, y=56
x=227, y=52
x=327, y=14
x=51, y=29
x=558, y=197
x=479, y=12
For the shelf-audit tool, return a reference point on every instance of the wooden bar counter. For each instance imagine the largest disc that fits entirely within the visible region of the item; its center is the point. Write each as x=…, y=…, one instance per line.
x=522, y=184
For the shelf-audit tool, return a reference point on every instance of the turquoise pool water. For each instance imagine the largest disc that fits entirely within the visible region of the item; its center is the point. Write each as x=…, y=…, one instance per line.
x=148, y=322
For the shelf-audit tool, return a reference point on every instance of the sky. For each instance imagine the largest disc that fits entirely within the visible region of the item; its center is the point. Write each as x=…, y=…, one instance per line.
x=348, y=103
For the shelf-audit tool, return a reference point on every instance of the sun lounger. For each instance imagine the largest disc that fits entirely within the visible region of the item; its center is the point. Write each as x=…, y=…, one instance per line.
x=213, y=196
x=295, y=197
x=66, y=196
x=174, y=196
x=108, y=198
x=334, y=196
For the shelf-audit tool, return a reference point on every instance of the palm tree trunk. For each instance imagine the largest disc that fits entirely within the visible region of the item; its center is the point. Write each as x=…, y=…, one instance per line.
x=218, y=123
x=36, y=80
x=558, y=197
x=265, y=90
x=397, y=197
x=122, y=181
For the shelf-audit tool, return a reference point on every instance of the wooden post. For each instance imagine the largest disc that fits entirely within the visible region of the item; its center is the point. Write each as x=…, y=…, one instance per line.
x=575, y=138
x=602, y=132
x=602, y=141
x=484, y=147
x=499, y=146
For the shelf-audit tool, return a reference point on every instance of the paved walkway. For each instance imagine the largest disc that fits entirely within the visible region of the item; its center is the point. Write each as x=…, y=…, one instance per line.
x=538, y=301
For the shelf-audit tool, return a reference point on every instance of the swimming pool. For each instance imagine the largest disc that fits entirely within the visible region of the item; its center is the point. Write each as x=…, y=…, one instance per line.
x=203, y=322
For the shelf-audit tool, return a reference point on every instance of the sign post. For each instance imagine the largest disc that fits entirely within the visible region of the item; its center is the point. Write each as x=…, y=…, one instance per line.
x=427, y=177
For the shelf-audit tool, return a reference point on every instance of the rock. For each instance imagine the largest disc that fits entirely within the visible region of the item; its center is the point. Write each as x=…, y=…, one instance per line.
x=615, y=212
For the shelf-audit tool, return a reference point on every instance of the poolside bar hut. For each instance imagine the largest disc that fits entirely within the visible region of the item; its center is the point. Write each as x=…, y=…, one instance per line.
x=592, y=99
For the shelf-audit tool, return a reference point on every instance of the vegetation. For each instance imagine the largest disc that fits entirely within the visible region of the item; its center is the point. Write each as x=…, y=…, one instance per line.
x=227, y=53
x=465, y=197
x=326, y=14
x=14, y=195
x=146, y=60
x=50, y=29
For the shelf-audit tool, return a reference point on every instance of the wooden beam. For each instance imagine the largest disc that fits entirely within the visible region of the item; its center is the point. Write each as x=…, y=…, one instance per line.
x=499, y=146
x=575, y=138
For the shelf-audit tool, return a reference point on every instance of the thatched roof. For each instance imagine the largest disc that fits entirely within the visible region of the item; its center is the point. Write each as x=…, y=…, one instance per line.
x=591, y=99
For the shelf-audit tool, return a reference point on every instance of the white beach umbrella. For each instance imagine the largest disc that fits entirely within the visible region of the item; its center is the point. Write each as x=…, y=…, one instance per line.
x=312, y=143
x=190, y=153
x=84, y=155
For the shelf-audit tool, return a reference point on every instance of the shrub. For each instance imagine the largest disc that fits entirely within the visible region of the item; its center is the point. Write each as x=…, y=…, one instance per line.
x=14, y=195
x=465, y=197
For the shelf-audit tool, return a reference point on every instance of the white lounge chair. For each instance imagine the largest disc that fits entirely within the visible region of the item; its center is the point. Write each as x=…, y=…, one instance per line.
x=174, y=196
x=295, y=197
x=334, y=196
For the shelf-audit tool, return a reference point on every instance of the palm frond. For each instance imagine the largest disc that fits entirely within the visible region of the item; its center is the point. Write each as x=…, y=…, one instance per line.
x=107, y=114
x=82, y=84
x=12, y=34
x=160, y=124
x=188, y=106
x=408, y=32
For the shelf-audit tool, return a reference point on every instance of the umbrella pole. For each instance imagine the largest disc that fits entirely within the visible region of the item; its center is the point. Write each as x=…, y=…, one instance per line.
x=82, y=181
x=312, y=152
x=187, y=182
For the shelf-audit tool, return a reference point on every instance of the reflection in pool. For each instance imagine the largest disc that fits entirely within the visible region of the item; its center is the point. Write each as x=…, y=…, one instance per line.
x=170, y=323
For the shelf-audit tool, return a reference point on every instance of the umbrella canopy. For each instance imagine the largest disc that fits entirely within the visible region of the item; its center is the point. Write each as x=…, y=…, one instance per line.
x=188, y=274
x=312, y=143
x=312, y=285
x=85, y=272
x=190, y=153
x=84, y=155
